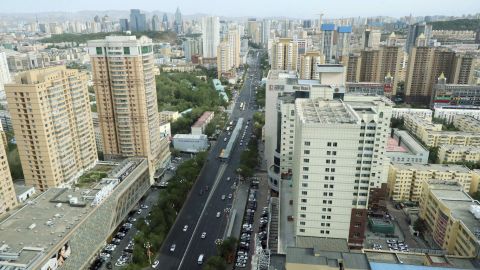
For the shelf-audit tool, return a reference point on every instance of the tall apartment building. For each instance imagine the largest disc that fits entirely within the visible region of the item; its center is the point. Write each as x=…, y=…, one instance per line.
x=53, y=127
x=405, y=180
x=369, y=66
x=124, y=82
x=451, y=217
x=339, y=159
x=233, y=38
x=210, y=36
x=371, y=38
x=192, y=46
x=224, y=58
x=415, y=31
x=343, y=43
x=284, y=54
x=8, y=198
x=308, y=64
x=463, y=68
x=353, y=67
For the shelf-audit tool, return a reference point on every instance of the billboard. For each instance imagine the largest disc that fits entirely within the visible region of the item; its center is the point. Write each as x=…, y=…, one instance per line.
x=59, y=258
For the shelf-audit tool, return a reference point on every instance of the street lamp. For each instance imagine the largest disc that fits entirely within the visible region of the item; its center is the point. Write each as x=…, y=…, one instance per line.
x=147, y=245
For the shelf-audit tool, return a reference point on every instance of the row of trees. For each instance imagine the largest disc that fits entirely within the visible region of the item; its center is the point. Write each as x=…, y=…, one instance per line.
x=249, y=157
x=460, y=24
x=225, y=254
x=164, y=213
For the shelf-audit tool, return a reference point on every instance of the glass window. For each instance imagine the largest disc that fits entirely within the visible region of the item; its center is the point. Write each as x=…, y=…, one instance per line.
x=99, y=50
x=126, y=50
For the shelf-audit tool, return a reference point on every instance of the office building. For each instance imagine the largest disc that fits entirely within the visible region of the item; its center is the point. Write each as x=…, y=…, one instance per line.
x=124, y=25
x=283, y=88
x=328, y=35
x=451, y=217
x=156, y=24
x=404, y=148
x=210, y=36
x=338, y=161
x=67, y=228
x=178, y=22
x=343, y=43
x=415, y=31
x=405, y=180
x=138, y=21
x=371, y=38
x=127, y=101
x=165, y=23
x=308, y=65
x=284, y=54
x=53, y=127
x=8, y=199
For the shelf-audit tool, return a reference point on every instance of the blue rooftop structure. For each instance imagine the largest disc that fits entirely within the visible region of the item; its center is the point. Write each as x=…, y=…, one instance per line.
x=328, y=27
x=344, y=29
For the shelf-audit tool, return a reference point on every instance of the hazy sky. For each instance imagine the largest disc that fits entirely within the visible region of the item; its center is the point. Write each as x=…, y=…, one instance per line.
x=290, y=8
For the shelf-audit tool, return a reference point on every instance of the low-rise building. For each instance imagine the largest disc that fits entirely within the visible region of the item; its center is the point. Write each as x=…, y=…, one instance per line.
x=448, y=153
x=403, y=148
x=421, y=113
x=199, y=126
x=405, y=180
x=23, y=192
x=66, y=227
x=451, y=217
x=466, y=123
x=165, y=130
x=448, y=113
x=168, y=116
x=190, y=143
x=432, y=135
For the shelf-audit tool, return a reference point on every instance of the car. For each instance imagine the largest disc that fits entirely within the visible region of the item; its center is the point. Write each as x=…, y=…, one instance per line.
x=225, y=139
x=228, y=178
x=139, y=211
x=185, y=228
x=230, y=196
x=218, y=214
x=223, y=197
x=204, y=234
x=155, y=264
x=172, y=247
x=241, y=144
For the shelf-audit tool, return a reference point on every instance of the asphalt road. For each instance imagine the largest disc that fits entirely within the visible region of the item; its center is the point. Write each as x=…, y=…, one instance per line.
x=199, y=211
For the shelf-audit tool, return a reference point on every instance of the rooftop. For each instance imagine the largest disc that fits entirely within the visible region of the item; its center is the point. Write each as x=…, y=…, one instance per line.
x=432, y=167
x=403, y=142
x=459, y=202
x=331, y=258
x=460, y=148
x=190, y=136
x=324, y=111
x=203, y=119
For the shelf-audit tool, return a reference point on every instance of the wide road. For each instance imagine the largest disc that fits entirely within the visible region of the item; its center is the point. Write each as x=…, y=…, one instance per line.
x=199, y=211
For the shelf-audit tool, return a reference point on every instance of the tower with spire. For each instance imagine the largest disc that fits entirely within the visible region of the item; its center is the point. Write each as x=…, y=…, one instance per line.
x=178, y=22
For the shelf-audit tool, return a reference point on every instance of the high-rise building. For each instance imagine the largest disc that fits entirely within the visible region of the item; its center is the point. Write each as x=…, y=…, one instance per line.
x=224, y=60
x=8, y=198
x=415, y=31
x=53, y=126
x=353, y=67
x=210, y=36
x=233, y=38
x=266, y=29
x=4, y=74
x=138, y=21
x=165, y=24
x=192, y=46
x=463, y=68
x=124, y=82
x=156, y=24
x=328, y=35
x=369, y=65
x=284, y=54
x=255, y=30
x=178, y=22
x=339, y=159
x=343, y=43
x=308, y=65
x=371, y=38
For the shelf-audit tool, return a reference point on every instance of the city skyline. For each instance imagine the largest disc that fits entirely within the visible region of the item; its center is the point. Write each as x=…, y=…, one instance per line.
x=269, y=8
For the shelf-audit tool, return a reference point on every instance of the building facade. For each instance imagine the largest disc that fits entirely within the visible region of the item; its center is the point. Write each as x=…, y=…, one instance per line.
x=8, y=198
x=284, y=54
x=210, y=36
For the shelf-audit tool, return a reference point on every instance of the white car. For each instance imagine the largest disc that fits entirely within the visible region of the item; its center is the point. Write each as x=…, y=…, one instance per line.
x=218, y=214
x=172, y=247
x=155, y=264
x=204, y=234
x=185, y=228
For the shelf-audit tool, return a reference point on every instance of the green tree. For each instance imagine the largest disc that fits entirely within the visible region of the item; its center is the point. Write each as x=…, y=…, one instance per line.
x=420, y=225
x=215, y=263
x=433, y=156
x=227, y=248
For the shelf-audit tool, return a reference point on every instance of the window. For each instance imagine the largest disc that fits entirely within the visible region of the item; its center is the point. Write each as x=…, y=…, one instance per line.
x=327, y=169
x=328, y=153
x=303, y=215
x=303, y=208
x=306, y=143
x=302, y=222
x=327, y=161
x=146, y=49
x=329, y=144
x=304, y=185
x=305, y=169
x=126, y=50
x=326, y=177
x=334, y=153
x=304, y=193
x=302, y=230
x=304, y=200
x=334, y=144
x=305, y=176
x=306, y=160
x=99, y=50
x=334, y=161
x=332, y=178
x=306, y=152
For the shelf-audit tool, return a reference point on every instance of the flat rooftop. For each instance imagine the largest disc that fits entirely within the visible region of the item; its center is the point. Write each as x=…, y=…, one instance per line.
x=408, y=144
x=44, y=222
x=458, y=202
x=461, y=148
x=329, y=258
x=433, y=167
x=190, y=136
x=324, y=111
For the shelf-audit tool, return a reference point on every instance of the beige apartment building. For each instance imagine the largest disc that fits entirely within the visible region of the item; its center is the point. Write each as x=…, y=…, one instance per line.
x=124, y=82
x=169, y=116
x=308, y=65
x=53, y=126
x=466, y=123
x=224, y=60
x=8, y=198
x=451, y=217
x=405, y=180
x=433, y=136
x=284, y=54
x=448, y=153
